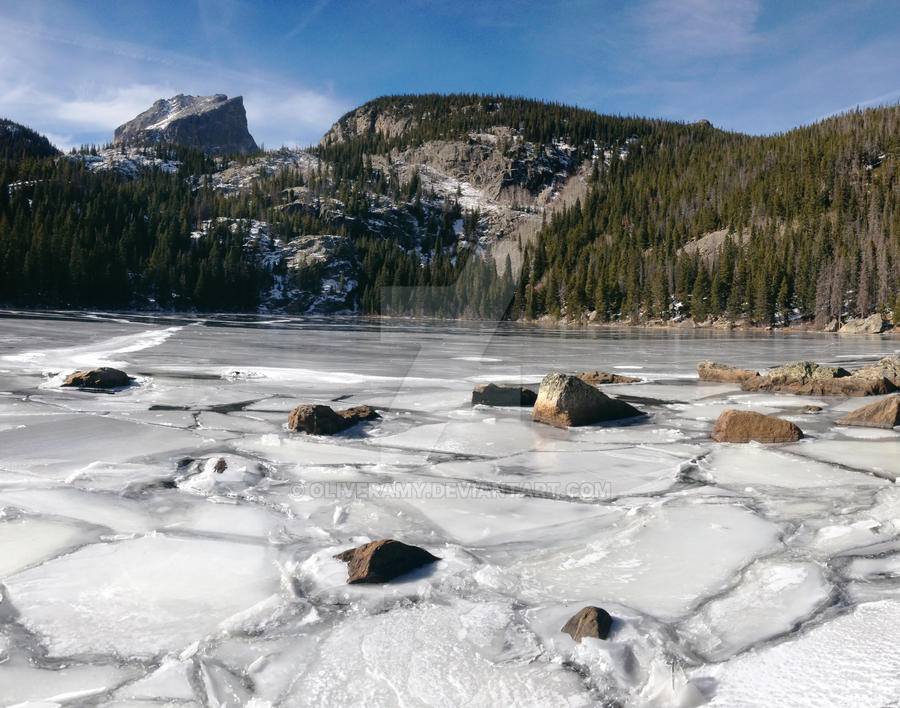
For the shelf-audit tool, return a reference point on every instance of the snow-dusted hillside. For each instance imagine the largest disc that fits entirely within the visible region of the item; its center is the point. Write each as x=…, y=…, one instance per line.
x=127, y=161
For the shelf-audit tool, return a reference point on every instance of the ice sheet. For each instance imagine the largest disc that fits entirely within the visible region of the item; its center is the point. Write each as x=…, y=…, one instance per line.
x=851, y=660
x=154, y=579
x=142, y=597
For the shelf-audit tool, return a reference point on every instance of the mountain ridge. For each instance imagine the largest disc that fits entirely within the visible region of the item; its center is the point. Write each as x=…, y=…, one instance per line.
x=590, y=214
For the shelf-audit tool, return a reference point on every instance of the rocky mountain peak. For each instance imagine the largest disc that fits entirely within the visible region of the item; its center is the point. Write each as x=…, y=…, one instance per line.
x=216, y=124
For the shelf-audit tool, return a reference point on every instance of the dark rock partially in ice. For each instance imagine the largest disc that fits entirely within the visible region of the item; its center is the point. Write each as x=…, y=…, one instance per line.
x=503, y=395
x=812, y=409
x=595, y=378
x=104, y=377
x=713, y=371
x=589, y=622
x=881, y=414
x=324, y=420
x=565, y=400
x=810, y=379
x=220, y=466
x=382, y=561
x=735, y=426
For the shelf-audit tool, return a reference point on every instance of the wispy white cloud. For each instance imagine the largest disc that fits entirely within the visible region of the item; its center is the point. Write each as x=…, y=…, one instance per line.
x=285, y=118
x=699, y=27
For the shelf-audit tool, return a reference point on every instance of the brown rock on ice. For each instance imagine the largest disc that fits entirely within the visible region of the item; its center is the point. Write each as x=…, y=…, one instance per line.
x=503, y=395
x=104, y=377
x=382, y=561
x=589, y=622
x=880, y=414
x=323, y=420
x=595, y=378
x=812, y=409
x=565, y=400
x=723, y=373
x=735, y=426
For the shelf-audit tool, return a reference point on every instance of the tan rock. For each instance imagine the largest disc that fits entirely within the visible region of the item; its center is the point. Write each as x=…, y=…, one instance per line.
x=887, y=368
x=712, y=371
x=595, y=378
x=734, y=426
x=874, y=324
x=880, y=414
x=565, y=400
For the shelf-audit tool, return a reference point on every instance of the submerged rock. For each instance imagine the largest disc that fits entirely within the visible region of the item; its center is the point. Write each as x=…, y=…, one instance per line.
x=713, y=371
x=880, y=414
x=382, y=561
x=503, y=395
x=324, y=420
x=565, y=400
x=735, y=426
x=595, y=378
x=104, y=377
x=589, y=622
x=874, y=324
x=807, y=378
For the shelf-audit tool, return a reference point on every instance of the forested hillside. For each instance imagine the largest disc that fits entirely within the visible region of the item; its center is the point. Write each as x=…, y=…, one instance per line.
x=672, y=219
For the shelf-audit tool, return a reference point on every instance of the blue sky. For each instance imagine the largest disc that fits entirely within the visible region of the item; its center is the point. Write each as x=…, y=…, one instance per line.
x=76, y=70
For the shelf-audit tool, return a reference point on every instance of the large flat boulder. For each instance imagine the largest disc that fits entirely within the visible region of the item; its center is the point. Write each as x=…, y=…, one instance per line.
x=806, y=378
x=595, y=378
x=723, y=373
x=734, y=426
x=874, y=324
x=382, y=561
x=104, y=377
x=565, y=400
x=880, y=414
x=503, y=395
x=886, y=368
x=323, y=420
x=589, y=622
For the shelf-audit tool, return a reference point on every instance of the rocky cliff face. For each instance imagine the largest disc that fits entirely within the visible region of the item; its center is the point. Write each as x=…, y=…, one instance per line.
x=510, y=181
x=216, y=124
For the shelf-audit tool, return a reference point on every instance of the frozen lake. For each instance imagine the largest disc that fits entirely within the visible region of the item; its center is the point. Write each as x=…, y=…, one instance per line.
x=132, y=574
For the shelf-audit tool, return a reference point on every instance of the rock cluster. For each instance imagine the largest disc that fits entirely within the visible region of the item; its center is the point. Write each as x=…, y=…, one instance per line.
x=503, y=395
x=382, y=561
x=734, y=426
x=811, y=379
x=565, y=401
x=104, y=377
x=713, y=371
x=324, y=420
